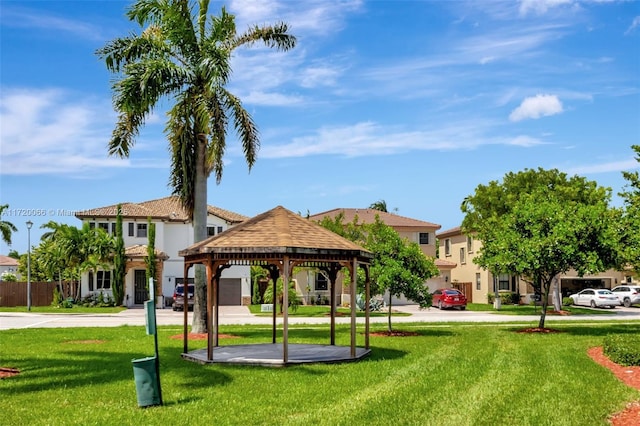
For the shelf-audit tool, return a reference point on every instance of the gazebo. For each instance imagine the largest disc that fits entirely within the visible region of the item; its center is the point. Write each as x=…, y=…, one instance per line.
x=278, y=240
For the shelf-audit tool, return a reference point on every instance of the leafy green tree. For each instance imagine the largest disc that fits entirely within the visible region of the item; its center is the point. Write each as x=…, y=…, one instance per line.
x=630, y=219
x=399, y=266
x=184, y=54
x=6, y=228
x=540, y=223
x=119, y=261
x=14, y=254
x=150, y=260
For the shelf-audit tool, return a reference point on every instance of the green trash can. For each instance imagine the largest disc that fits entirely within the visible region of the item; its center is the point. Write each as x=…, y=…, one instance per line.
x=147, y=383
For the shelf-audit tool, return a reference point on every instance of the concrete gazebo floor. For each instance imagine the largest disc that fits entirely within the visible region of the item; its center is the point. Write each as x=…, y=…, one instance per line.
x=270, y=354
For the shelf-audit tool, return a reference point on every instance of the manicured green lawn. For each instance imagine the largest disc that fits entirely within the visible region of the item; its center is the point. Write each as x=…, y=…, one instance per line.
x=57, y=310
x=320, y=311
x=449, y=374
x=536, y=310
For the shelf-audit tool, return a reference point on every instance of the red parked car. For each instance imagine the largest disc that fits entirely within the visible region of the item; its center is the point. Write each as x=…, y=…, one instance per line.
x=449, y=298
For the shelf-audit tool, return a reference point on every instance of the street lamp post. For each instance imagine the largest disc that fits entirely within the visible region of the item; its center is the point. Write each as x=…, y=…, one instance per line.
x=29, y=225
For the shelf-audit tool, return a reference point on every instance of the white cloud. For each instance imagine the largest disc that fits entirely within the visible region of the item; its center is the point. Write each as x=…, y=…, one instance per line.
x=370, y=139
x=541, y=7
x=49, y=131
x=536, y=107
x=609, y=167
x=31, y=18
x=525, y=141
x=634, y=24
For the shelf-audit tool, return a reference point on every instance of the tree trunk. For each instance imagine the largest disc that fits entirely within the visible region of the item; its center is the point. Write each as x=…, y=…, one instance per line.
x=199, y=324
x=389, y=327
x=545, y=303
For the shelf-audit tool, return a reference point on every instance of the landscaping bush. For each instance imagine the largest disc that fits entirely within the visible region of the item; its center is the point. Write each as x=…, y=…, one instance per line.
x=622, y=349
x=506, y=297
x=567, y=301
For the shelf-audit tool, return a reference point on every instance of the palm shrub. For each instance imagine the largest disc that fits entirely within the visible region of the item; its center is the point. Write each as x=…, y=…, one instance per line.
x=293, y=299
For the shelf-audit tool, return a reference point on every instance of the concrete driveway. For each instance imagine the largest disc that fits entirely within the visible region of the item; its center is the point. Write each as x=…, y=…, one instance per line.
x=237, y=315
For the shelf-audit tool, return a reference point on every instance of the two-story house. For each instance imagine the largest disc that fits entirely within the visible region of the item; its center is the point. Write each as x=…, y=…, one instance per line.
x=174, y=232
x=477, y=283
x=314, y=283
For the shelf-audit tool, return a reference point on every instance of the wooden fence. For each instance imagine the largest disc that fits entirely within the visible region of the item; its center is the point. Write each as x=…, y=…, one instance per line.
x=15, y=293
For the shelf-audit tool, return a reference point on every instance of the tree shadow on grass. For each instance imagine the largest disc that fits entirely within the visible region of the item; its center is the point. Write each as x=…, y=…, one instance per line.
x=595, y=330
x=77, y=369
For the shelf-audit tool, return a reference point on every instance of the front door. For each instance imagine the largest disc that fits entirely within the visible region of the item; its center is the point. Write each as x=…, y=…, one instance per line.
x=140, y=293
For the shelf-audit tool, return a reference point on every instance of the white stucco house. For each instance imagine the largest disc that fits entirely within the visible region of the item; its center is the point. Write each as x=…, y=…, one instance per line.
x=174, y=232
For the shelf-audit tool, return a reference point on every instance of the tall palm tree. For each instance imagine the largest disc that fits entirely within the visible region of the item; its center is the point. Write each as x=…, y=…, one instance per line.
x=184, y=54
x=6, y=228
x=380, y=205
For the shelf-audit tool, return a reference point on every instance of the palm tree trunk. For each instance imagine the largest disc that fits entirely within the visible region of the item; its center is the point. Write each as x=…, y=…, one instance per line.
x=199, y=324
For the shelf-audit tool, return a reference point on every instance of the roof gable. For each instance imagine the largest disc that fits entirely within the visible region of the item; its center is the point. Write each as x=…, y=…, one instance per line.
x=167, y=208
x=369, y=216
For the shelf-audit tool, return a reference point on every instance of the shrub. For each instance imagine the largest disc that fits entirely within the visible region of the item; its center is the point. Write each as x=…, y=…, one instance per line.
x=292, y=295
x=506, y=297
x=57, y=297
x=567, y=301
x=623, y=350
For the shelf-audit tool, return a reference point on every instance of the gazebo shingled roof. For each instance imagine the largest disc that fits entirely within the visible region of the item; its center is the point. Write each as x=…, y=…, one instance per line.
x=278, y=240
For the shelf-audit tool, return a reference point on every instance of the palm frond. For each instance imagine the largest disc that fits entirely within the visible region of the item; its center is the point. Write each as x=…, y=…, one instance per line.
x=271, y=35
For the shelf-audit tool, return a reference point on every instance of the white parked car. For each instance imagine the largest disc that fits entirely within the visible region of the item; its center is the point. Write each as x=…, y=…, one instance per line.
x=627, y=294
x=595, y=297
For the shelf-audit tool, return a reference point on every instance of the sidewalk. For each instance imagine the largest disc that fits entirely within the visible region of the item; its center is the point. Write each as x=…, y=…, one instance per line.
x=239, y=315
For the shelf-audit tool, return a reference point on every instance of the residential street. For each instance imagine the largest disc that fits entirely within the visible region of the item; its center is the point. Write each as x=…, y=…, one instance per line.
x=234, y=315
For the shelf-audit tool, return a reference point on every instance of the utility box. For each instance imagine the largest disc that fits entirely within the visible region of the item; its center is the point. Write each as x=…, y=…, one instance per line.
x=147, y=381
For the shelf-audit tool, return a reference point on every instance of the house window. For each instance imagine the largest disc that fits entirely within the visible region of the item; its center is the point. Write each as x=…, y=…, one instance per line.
x=92, y=225
x=141, y=230
x=131, y=227
x=321, y=282
x=211, y=231
x=103, y=280
x=447, y=247
x=90, y=281
x=104, y=226
x=478, y=281
x=463, y=257
x=219, y=229
x=503, y=282
x=470, y=244
x=424, y=238
x=113, y=228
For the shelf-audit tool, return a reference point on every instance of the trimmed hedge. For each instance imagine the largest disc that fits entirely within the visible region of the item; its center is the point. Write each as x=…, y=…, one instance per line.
x=623, y=349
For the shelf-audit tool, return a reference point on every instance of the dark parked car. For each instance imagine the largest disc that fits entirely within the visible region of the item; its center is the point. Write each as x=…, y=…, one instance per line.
x=449, y=298
x=178, y=297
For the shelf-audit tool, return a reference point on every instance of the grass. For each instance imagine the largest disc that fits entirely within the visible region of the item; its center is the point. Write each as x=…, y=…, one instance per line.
x=320, y=311
x=535, y=310
x=57, y=310
x=450, y=374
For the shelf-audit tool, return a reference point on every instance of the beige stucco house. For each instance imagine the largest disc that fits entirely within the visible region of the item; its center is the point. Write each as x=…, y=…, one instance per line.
x=313, y=284
x=477, y=283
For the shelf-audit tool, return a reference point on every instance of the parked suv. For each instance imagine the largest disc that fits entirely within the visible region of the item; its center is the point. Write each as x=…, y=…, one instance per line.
x=178, y=297
x=627, y=294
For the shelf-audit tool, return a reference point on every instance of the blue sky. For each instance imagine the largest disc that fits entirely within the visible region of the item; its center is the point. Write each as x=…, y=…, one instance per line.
x=411, y=102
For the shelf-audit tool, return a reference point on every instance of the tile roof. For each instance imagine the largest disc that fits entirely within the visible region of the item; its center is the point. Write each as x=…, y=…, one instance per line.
x=275, y=231
x=450, y=232
x=441, y=263
x=7, y=261
x=167, y=208
x=140, y=250
x=369, y=216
